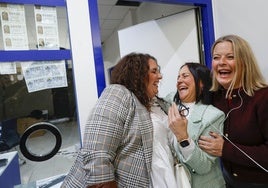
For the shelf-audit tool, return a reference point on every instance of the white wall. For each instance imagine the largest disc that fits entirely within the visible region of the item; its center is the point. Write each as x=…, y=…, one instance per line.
x=83, y=59
x=170, y=43
x=246, y=18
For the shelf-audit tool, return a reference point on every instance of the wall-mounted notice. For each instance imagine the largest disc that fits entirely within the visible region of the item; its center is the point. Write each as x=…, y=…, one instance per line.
x=8, y=68
x=14, y=27
x=14, y=32
x=44, y=75
x=46, y=27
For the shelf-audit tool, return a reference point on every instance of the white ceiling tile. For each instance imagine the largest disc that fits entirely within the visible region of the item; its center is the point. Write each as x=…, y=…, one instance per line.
x=105, y=33
x=101, y=21
x=110, y=16
x=104, y=10
x=118, y=12
x=107, y=2
x=111, y=24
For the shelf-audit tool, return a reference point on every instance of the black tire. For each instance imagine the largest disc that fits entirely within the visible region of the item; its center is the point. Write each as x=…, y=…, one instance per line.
x=40, y=126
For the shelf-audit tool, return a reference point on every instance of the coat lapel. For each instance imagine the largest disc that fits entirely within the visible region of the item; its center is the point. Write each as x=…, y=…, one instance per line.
x=195, y=120
x=146, y=129
x=197, y=113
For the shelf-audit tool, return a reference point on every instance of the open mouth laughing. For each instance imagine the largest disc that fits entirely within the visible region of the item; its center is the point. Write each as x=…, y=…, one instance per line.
x=224, y=72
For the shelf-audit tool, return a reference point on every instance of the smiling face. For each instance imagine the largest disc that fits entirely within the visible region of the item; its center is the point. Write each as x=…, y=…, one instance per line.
x=154, y=78
x=186, y=85
x=224, y=64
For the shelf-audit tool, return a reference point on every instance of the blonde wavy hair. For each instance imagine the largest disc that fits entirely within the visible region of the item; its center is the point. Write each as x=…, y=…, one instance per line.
x=247, y=71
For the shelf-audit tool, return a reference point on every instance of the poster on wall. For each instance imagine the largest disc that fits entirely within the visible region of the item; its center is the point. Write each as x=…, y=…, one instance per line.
x=46, y=27
x=14, y=32
x=14, y=27
x=8, y=68
x=44, y=75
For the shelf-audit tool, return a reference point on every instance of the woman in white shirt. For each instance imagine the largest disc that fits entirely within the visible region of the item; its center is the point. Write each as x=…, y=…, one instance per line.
x=162, y=173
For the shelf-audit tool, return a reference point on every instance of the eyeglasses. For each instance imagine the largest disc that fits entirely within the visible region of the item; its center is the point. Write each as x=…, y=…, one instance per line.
x=155, y=71
x=183, y=110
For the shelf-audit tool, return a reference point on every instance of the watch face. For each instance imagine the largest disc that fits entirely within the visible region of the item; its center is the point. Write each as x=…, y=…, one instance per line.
x=184, y=143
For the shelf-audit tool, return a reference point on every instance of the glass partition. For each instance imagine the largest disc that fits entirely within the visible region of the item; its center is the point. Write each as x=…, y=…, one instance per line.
x=37, y=94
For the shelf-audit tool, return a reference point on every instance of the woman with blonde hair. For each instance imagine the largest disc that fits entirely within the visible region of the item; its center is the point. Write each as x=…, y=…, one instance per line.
x=242, y=93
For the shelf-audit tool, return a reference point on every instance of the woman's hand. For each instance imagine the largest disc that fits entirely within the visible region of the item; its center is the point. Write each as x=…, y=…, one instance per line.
x=177, y=123
x=212, y=144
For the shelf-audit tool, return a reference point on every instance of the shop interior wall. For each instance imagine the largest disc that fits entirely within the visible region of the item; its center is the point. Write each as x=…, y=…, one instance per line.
x=172, y=40
x=245, y=18
x=146, y=12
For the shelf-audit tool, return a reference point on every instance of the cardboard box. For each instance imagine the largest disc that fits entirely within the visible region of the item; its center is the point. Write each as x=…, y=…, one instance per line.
x=24, y=123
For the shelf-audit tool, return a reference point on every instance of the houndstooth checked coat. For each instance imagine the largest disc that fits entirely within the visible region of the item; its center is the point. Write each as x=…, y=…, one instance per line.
x=117, y=143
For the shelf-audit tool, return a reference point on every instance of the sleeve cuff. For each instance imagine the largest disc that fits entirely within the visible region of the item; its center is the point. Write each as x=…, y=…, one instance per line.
x=188, y=150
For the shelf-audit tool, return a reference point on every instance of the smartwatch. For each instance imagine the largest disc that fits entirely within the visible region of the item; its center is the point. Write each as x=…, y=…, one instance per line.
x=184, y=143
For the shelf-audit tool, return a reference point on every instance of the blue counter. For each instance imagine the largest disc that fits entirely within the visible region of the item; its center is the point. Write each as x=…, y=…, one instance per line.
x=10, y=173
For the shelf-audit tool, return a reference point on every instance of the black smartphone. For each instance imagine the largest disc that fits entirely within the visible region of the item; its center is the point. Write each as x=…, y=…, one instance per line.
x=3, y=162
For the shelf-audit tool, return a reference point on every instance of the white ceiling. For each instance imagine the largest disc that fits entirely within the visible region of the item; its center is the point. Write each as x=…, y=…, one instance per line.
x=111, y=16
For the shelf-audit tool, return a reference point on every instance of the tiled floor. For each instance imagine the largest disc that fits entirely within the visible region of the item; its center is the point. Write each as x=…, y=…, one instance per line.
x=59, y=164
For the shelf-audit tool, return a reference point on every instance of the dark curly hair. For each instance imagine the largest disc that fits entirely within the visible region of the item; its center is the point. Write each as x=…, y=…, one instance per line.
x=200, y=73
x=132, y=72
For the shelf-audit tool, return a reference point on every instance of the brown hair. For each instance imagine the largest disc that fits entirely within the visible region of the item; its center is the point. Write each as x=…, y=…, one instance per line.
x=247, y=70
x=132, y=72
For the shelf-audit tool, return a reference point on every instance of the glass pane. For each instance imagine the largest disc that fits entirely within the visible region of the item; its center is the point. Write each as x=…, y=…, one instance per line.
x=29, y=29
x=20, y=108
